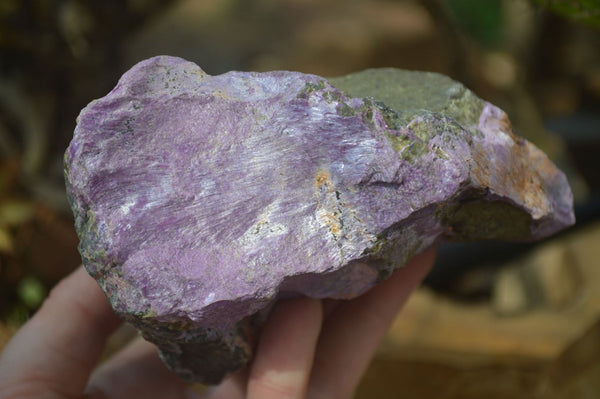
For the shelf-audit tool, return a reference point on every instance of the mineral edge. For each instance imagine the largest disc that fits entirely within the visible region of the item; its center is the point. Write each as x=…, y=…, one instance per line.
x=200, y=200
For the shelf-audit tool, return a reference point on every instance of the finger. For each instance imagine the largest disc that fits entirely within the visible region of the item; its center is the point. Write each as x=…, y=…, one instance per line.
x=135, y=372
x=54, y=352
x=329, y=306
x=352, y=332
x=285, y=351
x=234, y=386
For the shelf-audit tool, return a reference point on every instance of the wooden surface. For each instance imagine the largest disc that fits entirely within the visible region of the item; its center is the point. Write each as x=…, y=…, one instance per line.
x=444, y=349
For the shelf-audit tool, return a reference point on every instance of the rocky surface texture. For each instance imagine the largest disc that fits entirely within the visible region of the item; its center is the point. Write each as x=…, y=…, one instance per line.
x=199, y=200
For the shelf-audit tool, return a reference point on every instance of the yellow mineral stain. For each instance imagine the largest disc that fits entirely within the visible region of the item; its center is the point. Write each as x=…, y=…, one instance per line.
x=325, y=216
x=322, y=178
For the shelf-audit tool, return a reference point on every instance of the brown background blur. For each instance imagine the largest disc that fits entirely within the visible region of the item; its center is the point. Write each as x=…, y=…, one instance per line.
x=494, y=320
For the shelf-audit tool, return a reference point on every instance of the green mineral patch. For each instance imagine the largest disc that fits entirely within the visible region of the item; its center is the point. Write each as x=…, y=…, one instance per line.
x=311, y=87
x=423, y=128
x=390, y=116
x=85, y=223
x=409, y=94
x=384, y=274
x=386, y=250
x=147, y=313
x=441, y=153
x=416, y=149
x=399, y=142
x=366, y=109
x=377, y=246
x=464, y=107
x=89, y=239
x=331, y=96
x=433, y=103
x=429, y=125
x=345, y=110
x=480, y=219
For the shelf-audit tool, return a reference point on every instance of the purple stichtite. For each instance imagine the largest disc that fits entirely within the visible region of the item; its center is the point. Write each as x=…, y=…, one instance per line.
x=199, y=200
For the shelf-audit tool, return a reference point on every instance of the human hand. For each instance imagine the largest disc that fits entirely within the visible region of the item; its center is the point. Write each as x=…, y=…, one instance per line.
x=308, y=348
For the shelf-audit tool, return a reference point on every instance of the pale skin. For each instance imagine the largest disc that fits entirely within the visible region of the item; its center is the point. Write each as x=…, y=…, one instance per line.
x=308, y=349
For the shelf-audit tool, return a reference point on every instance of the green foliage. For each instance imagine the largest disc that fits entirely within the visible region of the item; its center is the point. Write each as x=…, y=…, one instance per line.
x=481, y=19
x=31, y=292
x=584, y=11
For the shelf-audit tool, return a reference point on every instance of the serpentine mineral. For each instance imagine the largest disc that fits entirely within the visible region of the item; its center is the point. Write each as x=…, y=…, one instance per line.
x=199, y=200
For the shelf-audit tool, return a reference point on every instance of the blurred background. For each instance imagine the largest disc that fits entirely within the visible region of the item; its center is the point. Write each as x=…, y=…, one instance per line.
x=493, y=320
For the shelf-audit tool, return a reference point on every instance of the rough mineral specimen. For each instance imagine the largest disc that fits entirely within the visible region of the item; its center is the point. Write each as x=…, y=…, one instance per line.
x=199, y=200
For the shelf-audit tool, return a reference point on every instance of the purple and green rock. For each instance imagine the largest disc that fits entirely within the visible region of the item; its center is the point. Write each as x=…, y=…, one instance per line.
x=200, y=200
